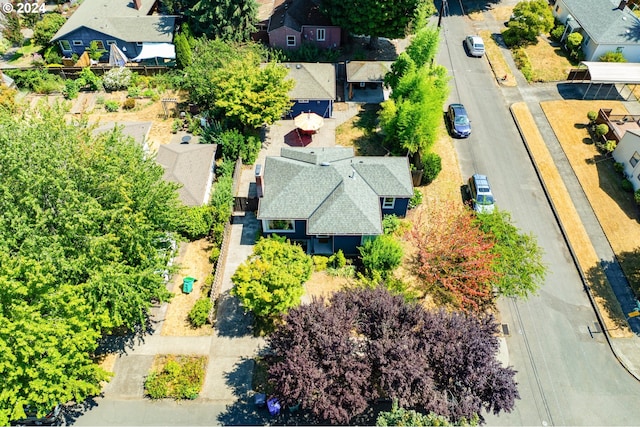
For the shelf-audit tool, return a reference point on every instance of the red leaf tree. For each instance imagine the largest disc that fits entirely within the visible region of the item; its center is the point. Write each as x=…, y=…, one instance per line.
x=454, y=257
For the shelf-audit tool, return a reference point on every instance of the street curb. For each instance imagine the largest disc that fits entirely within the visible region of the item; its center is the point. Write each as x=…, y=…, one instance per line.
x=565, y=237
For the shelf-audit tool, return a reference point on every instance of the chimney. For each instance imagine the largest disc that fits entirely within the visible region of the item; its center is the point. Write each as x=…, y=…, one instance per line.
x=137, y=4
x=259, y=183
x=622, y=5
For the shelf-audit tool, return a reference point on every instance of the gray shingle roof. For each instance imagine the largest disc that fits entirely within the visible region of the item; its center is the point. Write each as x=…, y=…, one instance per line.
x=335, y=191
x=604, y=22
x=295, y=14
x=367, y=71
x=314, y=81
x=190, y=165
x=119, y=19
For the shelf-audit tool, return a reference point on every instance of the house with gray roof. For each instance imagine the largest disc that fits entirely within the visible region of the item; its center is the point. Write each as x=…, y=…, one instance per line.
x=191, y=166
x=315, y=88
x=133, y=26
x=328, y=199
x=605, y=25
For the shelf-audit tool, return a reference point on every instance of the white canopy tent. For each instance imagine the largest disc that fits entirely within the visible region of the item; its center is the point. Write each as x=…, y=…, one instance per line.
x=117, y=57
x=156, y=50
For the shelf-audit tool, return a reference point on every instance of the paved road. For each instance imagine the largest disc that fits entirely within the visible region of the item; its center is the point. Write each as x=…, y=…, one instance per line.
x=566, y=376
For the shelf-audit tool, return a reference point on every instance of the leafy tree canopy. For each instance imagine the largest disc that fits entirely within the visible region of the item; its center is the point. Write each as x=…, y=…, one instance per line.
x=81, y=251
x=46, y=28
x=530, y=18
x=382, y=254
x=336, y=357
x=270, y=282
x=519, y=264
x=374, y=18
x=229, y=79
x=232, y=20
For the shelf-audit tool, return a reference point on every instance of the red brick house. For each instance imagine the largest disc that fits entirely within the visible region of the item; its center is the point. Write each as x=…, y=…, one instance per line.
x=294, y=22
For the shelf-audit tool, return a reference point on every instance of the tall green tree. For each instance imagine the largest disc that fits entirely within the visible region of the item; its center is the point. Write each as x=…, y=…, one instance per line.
x=270, y=282
x=46, y=28
x=375, y=18
x=519, y=264
x=85, y=219
x=232, y=20
x=530, y=18
x=229, y=79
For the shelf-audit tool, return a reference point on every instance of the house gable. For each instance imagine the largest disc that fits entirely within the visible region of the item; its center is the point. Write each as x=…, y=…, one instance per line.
x=296, y=21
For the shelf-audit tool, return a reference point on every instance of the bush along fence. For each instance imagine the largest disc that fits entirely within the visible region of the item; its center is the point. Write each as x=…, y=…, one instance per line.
x=224, y=249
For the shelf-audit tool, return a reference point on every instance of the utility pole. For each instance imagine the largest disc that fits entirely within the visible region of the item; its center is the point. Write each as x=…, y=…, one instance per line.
x=442, y=6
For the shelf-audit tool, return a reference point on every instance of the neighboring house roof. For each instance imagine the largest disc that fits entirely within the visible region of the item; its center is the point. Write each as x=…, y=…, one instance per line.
x=314, y=81
x=604, y=21
x=335, y=191
x=139, y=131
x=190, y=165
x=295, y=14
x=367, y=71
x=120, y=19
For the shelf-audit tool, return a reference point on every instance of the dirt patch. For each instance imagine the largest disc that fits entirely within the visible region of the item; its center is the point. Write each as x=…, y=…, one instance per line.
x=193, y=258
x=323, y=285
x=475, y=15
x=569, y=133
x=502, y=13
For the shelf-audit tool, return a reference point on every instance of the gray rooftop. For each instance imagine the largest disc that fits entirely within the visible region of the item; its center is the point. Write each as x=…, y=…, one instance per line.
x=367, y=71
x=190, y=165
x=335, y=191
x=120, y=19
x=139, y=131
x=604, y=22
x=314, y=81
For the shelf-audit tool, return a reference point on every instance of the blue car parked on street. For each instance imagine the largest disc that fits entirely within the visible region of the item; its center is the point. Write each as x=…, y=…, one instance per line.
x=458, y=121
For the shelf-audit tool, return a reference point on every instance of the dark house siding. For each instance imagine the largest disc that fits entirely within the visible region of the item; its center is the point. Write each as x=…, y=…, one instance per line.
x=86, y=36
x=323, y=108
x=399, y=208
x=348, y=244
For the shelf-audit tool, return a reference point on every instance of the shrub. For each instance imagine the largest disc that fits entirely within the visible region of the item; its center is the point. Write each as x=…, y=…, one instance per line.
x=11, y=29
x=619, y=168
x=199, y=314
x=382, y=254
x=214, y=255
x=602, y=129
x=557, y=32
x=111, y=106
x=88, y=79
x=523, y=63
x=207, y=285
x=609, y=146
x=390, y=224
x=320, y=262
x=183, y=50
x=117, y=78
x=432, y=165
x=416, y=200
x=95, y=52
x=129, y=104
x=71, y=89
x=134, y=91
x=5, y=45
x=36, y=80
x=222, y=197
x=46, y=28
x=180, y=377
x=626, y=185
x=574, y=43
x=337, y=260
x=636, y=196
x=52, y=55
x=196, y=221
x=234, y=145
x=613, y=57
x=511, y=38
x=592, y=116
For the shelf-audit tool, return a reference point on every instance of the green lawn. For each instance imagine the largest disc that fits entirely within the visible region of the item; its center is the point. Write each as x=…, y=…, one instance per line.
x=23, y=55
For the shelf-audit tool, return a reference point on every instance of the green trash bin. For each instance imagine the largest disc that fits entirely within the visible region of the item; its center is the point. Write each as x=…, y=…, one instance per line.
x=187, y=284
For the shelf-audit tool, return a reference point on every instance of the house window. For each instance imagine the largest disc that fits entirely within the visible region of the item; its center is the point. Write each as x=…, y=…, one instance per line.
x=291, y=40
x=634, y=159
x=388, y=203
x=110, y=42
x=320, y=34
x=65, y=45
x=303, y=101
x=77, y=43
x=280, y=226
x=99, y=44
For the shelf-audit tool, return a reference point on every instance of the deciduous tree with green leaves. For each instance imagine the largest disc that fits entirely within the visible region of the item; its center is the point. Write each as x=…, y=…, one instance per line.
x=270, y=282
x=374, y=18
x=46, y=28
x=85, y=221
x=530, y=18
x=519, y=264
x=381, y=254
x=230, y=79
